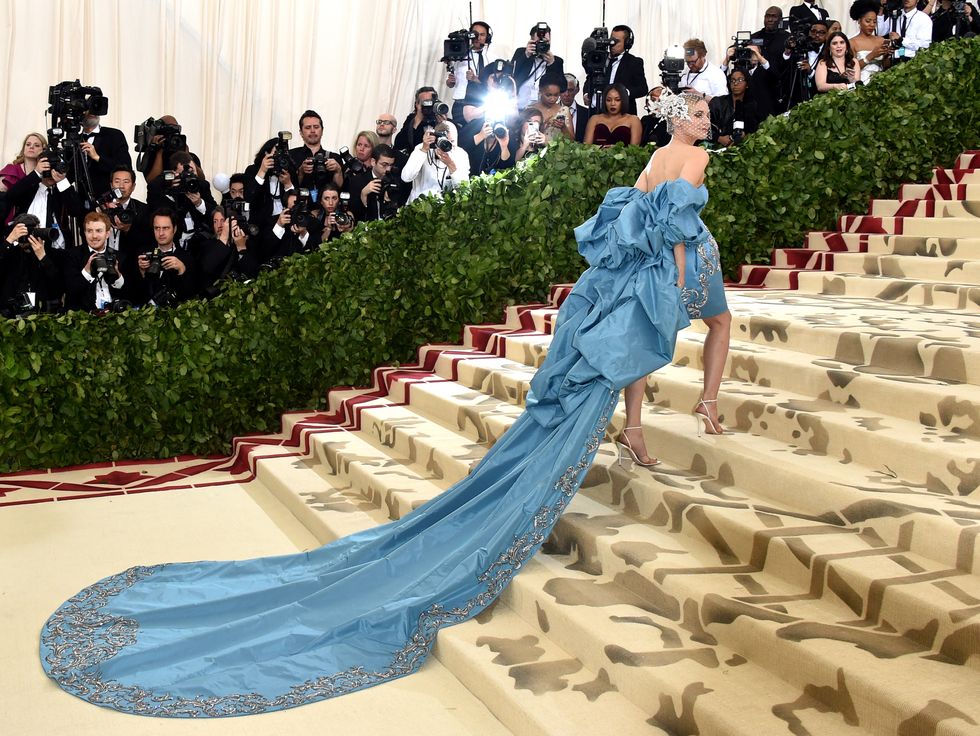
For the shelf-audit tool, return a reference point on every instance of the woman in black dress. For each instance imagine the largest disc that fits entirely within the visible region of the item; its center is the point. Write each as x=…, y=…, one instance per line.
x=836, y=68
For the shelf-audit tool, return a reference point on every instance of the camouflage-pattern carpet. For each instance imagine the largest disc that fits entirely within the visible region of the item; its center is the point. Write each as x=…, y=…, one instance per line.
x=814, y=572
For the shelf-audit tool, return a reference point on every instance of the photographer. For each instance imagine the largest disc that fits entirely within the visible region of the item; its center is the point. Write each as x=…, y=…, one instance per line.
x=30, y=276
x=93, y=274
x=296, y=229
x=623, y=68
x=364, y=144
x=437, y=163
x=466, y=71
x=735, y=115
x=267, y=182
x=807, y=12
x=236, y=188
x=168, y=273
x=106, y=149
x=426, y=115
x=184, y=189
x=49, y=195
x=701, y=76
x=772, y=36
x=532, y=62
x=127, y=216
x=907, y=29
x=165, y=139
x=798, y=63
x=334, y=214
x=314, y=164
x=759, y=76
x=954, y=20
x=227, y=252
x=487, y=139
x=375, y=192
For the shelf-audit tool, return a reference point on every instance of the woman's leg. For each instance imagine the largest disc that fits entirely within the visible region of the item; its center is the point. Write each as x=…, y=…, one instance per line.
x=634, y=402
x=715, y=357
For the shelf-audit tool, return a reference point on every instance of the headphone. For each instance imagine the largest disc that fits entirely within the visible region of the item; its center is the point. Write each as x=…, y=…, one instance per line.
x=629, y=40
x=487, y=26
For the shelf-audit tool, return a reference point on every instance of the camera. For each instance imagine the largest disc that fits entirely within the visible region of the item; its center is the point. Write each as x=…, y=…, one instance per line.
x=145, y=132
x=46, y=234
x=123, y=215
x=342, y=214
x=541, y=46
x=320, y=165
x=104, y=266
x=456, y=47
x=156, y=262
x=55, y=153
x=442, y=141
x=742, y=58
x=183, y=183
x=281, y=162
x=595, y=54
x=672, y=68
x=299, y=213
x=349, y=163
x=432, y=109
x=70, y=101
x=237, y=211
x=799, y=37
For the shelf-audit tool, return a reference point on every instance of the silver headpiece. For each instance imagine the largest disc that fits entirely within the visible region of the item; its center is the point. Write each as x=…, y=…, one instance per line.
x=670, y=107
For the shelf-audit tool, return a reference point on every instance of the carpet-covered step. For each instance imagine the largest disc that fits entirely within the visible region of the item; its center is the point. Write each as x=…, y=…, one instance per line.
x=799, y=258
x=949, y=408
x=955, y=227
x=957, y=192
x=924, y=208
x=678, y=638
x=930, y=247
x=531, y=685
x=902, y=340
x=924, y=268
x=968, y=160
x=769, y=277
x=955, y=176
x=944, y=295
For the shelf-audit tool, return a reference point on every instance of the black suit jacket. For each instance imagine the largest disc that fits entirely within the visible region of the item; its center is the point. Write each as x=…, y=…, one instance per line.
x=630, y=73
x=524, y=66
x=21, y=271
x=79, y=292
x=582, y=115
x=66, y=207
x=299, y=155
x=260, y=199
x=113, y=150
x=218, y=261
x=803, y=12
x=184, y=286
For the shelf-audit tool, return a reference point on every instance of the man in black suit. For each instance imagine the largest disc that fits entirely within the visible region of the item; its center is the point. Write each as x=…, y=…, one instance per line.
x=106, y=148
x=365, y=187
x=309, y=173
x=530, y=66
x=174, y=280
x=580, y=113
x=772, y=37
x=85, y=288
x=30, y=275
x=50, y=196
x=624, y=68
x=808, y=12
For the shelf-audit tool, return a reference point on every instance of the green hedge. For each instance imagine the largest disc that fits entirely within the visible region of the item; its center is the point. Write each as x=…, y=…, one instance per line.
x=832, y=155
x=79, y=388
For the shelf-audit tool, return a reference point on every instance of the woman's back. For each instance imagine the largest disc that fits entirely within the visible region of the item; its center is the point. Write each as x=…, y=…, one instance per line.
x=674, y=161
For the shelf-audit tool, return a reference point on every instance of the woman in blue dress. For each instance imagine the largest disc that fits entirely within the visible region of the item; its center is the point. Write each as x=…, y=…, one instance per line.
x=211, y=639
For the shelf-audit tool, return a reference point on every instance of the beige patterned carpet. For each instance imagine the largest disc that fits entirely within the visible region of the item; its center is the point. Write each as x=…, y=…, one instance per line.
x=815, y=572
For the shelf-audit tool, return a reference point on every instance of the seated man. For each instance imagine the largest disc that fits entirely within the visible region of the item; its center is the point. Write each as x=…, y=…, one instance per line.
x=435, y=165
x=30, y=277
x=375, y=192
x=93, y=275
x=168, y=274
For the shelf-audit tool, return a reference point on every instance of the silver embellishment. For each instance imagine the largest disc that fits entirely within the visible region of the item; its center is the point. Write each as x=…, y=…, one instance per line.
x=695, y=298
x=81, y=637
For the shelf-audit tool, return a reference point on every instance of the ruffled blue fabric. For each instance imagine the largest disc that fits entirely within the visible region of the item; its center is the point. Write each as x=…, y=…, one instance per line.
x=621, y=320
x=211, y=639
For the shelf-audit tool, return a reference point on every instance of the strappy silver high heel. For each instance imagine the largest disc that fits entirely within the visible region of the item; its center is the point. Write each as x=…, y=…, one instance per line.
x=704, y=421
x=623, y=443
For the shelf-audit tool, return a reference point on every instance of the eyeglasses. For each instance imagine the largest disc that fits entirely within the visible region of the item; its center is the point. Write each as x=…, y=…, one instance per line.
x=738, y=81
x=384, y=122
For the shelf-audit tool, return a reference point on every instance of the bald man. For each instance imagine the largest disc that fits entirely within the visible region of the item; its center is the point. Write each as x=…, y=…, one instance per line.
x=772, y=36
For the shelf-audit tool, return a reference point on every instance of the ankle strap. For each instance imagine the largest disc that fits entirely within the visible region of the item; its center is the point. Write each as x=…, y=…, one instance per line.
x=708, y=401
x=636, y=427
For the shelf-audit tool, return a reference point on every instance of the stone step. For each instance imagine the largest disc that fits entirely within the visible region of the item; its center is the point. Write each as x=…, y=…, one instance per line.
x=945, y=295
x=531, y=685
x=889, y=338
x=946, y=406
x=956, y=227
x=924, y=208
x=921, y=268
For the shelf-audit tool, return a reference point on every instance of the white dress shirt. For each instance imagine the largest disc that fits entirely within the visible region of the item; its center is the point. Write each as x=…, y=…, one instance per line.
x=434, y=178
x=709, y=81
x=918, y=31
x=102, y=295
x=460, y=67
x=39, y=208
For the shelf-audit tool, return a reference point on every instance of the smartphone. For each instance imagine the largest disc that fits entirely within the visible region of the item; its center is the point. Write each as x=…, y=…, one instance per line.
x=533, y=127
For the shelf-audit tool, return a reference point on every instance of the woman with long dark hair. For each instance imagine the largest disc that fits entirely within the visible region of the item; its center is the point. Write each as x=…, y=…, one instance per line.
x=836, y=68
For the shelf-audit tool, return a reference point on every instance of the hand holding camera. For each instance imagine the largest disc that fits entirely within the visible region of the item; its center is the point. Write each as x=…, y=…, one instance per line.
x=17, y=234
x=89, y=150
x=37, y=246
x=173, y=263
x=266, y=164
x=428, y=139
x=285, y=217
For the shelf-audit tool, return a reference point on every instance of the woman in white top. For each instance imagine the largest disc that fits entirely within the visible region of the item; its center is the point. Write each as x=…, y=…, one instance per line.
x=869, y=48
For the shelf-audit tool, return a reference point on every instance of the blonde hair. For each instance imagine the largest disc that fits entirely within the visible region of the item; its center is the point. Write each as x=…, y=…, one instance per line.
x=370, y=135
x=19, y=158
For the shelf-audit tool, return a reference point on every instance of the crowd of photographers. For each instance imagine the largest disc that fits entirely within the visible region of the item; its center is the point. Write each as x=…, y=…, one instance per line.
x=75, y=238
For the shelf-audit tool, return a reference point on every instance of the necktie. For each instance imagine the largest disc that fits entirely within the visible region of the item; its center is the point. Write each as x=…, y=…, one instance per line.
x=49, y=207
x=479, y=64
x=905, y=25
